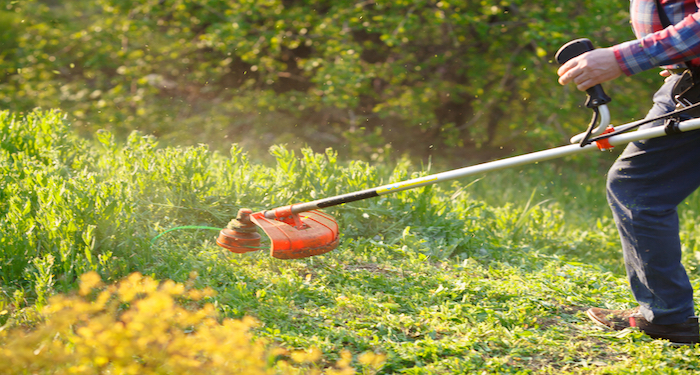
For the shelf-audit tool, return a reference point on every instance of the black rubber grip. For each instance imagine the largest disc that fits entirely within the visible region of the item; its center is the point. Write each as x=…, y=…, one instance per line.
x=347, y=198
x=334, y=201
x=596, y=95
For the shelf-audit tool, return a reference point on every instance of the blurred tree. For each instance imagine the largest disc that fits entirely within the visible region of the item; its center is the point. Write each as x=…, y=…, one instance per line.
x=358, y=73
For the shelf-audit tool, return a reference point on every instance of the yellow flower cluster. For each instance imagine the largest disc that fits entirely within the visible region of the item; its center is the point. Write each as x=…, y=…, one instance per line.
x=139, y=326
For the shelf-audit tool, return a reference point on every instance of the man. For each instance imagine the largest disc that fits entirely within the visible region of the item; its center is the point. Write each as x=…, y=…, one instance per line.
x=651, y=178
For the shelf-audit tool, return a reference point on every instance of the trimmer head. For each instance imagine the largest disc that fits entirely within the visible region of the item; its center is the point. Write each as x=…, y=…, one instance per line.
x=292, y=236
x=241, y=235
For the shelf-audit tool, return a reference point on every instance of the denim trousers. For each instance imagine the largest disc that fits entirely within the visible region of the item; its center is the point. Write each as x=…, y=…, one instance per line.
x=645, y=185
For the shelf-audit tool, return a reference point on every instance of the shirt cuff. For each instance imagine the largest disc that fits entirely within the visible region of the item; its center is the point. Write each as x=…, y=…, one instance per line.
x=632, y=58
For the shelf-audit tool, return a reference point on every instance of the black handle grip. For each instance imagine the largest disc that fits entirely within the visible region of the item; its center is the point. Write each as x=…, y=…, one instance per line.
x=596, y=95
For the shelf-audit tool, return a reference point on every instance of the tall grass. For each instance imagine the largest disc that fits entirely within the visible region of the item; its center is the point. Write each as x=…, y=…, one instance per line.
x=489, y=275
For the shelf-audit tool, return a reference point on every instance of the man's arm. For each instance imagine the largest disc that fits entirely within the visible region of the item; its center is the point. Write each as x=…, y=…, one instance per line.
x=673, y=45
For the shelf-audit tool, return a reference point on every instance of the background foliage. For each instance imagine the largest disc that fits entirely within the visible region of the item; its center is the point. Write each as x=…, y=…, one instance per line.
x=425, y=77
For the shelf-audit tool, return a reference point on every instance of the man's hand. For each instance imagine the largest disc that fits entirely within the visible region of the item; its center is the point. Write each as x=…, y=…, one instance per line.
x=590, y=69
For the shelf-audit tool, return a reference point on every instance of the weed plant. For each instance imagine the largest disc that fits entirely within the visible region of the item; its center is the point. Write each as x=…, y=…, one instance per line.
x=487, y=276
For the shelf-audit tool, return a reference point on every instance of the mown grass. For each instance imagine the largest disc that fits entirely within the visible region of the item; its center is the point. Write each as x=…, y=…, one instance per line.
x=490, y=276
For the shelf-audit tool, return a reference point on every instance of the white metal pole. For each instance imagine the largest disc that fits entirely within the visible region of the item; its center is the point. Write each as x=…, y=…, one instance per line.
x=534, y=157
x=515, y=161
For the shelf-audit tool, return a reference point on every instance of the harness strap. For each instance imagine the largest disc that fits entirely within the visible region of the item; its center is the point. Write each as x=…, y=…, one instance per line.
x=663, y=17
x=666, y=22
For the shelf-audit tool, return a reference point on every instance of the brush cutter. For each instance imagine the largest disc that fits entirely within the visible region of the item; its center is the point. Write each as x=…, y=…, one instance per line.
x=300, y=230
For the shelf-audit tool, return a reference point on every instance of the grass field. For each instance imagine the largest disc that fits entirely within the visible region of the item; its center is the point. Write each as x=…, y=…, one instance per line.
x=480, y=276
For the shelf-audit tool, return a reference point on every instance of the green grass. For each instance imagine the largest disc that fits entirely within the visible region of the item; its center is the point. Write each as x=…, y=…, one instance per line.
x=490, y=276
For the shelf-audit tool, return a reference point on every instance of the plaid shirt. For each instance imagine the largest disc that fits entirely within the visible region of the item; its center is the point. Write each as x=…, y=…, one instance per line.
x=656, y=46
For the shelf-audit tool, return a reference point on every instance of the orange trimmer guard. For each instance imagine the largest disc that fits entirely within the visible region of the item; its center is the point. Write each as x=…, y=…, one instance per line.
x=299, y=235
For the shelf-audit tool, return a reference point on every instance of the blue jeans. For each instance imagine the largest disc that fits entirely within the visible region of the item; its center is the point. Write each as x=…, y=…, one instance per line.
x=645, y=185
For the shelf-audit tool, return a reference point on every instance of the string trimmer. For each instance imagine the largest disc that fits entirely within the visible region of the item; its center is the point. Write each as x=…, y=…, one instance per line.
x=300, y=230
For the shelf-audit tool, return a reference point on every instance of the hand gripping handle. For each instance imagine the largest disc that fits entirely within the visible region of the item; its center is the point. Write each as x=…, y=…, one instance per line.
x=596, y=95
